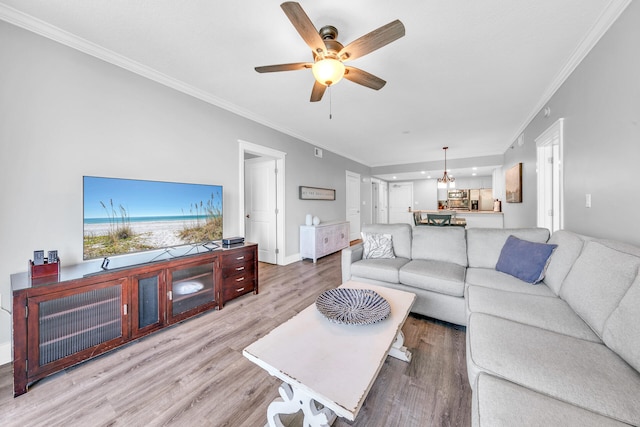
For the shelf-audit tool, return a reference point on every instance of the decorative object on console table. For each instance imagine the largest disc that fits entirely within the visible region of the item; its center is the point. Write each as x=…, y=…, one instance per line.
x=314, y=193
x=229, y=241
x=44, y=270
x=513, y=184
x=319, y=240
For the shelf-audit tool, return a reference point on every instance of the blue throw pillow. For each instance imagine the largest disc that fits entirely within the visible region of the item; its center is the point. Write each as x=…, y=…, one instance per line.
x=525, y=260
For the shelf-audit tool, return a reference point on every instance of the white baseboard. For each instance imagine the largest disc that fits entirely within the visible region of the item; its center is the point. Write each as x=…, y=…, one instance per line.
x=291, y=259
x=5, y=352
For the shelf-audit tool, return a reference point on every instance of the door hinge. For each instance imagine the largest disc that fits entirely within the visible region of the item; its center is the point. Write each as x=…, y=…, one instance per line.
x=277, y=211
x=277, y=251
x=26, y=365
x=550, y=160
x=26, y=311
x=275, y=171
x=170, y=294
x=124, y=309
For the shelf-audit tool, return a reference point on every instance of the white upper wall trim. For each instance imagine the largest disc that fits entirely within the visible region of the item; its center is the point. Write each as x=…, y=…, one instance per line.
x=607, y=18
x=49, y=31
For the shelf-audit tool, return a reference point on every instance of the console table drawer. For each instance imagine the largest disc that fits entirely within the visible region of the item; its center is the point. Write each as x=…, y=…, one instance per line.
x=237, y=285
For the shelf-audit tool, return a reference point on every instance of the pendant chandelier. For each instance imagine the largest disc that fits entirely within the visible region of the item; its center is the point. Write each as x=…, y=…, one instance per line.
x=445, y=177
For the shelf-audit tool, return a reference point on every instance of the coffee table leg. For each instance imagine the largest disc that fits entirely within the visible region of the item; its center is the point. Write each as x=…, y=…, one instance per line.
x=398, y=350
x=293, y=400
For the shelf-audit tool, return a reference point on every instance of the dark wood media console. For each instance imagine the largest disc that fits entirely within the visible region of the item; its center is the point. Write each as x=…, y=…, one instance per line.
x=83, y=314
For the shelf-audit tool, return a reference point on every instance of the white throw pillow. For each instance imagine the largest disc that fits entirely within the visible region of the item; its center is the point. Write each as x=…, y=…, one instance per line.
x=377, y=245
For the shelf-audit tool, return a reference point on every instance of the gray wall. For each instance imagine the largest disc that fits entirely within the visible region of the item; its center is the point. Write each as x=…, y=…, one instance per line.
x=600, y=103
x=64, y=114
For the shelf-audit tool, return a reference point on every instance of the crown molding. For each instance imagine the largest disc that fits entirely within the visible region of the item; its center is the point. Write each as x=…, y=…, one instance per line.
x=599, y=28
x=66, y=38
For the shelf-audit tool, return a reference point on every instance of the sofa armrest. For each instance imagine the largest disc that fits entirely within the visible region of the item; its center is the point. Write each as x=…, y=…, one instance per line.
x=349, y=256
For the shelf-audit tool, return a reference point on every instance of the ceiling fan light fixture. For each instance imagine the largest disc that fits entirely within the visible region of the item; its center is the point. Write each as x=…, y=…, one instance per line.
x=328, y=71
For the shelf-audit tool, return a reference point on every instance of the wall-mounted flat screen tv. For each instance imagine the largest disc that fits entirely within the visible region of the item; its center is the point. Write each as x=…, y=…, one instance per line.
x=123, y=216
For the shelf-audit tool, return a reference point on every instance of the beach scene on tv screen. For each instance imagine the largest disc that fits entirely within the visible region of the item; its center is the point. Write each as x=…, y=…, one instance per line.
x=124, y=216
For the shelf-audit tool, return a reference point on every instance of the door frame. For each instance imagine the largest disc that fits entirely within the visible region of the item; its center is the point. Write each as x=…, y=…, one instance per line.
x=352, y=232
x=549, y=153
x=279, y=156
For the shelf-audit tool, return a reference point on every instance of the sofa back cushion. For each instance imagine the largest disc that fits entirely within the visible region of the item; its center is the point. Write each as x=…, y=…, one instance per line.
x=622, y=329
x=485, y=244
x=598, y=280
x=400, y=236
x=440, y=244
x=569, y=248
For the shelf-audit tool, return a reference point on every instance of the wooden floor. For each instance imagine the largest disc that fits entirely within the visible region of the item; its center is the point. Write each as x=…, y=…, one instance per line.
x=194, y=374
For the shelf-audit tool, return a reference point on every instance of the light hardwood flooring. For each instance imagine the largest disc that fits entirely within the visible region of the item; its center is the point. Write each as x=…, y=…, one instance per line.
x=194, y=374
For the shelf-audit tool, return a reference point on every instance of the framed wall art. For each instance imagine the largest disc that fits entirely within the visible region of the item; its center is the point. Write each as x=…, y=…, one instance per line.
x=513, y=184
x=314, y=193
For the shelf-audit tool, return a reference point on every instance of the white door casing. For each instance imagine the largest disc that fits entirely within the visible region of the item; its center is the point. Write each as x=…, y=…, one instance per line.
x=401, y=202
x=260, y=206
x=353, y=204
x=383, y=203
x=550, y=180
x=279, y=156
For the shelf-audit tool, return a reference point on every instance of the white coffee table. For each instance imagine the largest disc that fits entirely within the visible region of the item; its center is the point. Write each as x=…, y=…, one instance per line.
x=328, y=363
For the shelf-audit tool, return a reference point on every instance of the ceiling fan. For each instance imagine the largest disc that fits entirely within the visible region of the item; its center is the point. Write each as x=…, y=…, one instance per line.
x=329, y=54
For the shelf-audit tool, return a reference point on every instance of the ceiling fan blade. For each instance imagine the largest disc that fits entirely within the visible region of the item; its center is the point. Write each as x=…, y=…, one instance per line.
x=304, y=26
x=363, y=78
x=317, y=91
x=372, y=41
x=283, y=67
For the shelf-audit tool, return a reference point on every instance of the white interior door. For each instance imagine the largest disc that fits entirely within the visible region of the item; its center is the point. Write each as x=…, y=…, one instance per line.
x=260, y=206
x=400, y=203
x=353, y=204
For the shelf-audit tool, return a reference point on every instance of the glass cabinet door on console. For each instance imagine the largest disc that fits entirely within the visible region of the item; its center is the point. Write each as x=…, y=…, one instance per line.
x=75, y=324
x=147, y=303
x=190, y=289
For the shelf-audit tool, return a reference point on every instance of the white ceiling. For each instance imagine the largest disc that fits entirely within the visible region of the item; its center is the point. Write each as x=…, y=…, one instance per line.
x=469, y=74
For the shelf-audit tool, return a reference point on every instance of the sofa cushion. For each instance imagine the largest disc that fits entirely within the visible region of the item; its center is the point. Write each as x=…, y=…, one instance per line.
x=377, y=245
x=524, y=259
x=401, y=236
x=622, y=329
x=569, y=248
x=438, y=276
x=597, y=282
x=386, y=270
x=485, y=244
x=440, y=244
x=546, y=312
x=490, y=278
x=583, y=373
x=500, y=403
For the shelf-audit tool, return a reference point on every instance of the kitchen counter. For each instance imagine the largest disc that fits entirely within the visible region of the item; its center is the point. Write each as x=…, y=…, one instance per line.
x=475, y=219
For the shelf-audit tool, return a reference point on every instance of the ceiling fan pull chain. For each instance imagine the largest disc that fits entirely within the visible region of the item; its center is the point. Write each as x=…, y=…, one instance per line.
x=330, y=116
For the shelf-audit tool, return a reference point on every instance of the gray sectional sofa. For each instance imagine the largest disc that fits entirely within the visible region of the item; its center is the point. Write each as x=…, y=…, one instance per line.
x=562, y=352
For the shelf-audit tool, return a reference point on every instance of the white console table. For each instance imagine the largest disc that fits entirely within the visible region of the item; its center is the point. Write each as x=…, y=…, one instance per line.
x=323, y=239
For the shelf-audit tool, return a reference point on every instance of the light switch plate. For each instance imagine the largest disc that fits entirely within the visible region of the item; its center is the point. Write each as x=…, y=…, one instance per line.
x=587, y=202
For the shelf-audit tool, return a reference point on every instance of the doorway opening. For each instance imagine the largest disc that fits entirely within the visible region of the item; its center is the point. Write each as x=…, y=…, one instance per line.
x=264, y=224
x=550, y=186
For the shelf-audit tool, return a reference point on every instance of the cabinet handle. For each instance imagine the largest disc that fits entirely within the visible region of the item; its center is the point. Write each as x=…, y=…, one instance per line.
x=239, y=289
x=240, y=279
x=239, y=268
x=240, y=257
